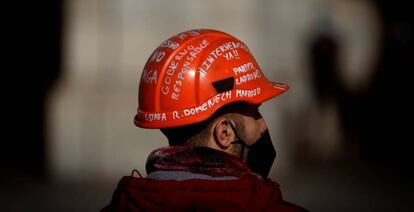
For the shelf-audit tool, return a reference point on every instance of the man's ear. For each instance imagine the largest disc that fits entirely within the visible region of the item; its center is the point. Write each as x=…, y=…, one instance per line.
x=223, y=133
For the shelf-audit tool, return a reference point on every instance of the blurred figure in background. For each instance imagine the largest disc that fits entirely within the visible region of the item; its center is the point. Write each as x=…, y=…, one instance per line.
x=203, y=88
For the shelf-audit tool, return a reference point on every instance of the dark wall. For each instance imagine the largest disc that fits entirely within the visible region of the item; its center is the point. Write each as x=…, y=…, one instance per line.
x=388, y=108
x=377, y=118
x=33, y=49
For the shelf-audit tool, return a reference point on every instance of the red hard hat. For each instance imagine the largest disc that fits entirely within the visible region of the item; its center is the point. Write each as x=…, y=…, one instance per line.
x=193, y=74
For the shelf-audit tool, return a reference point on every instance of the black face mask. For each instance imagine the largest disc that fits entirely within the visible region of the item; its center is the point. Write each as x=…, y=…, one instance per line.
x=261, y=154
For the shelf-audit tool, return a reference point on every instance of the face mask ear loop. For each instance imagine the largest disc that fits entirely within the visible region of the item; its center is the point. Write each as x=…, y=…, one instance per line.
x=239, y=141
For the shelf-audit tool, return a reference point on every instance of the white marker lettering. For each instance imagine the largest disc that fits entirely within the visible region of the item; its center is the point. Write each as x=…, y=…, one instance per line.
x=170, y=44
x=222, y=50
x=229, y=56
x=150, y=117
x=189, y=33
x=175, y=115
x=149, y=76
x=157, y=56
x=247, y=77
x=171, y=70
x=243, y=68
x=248, y=93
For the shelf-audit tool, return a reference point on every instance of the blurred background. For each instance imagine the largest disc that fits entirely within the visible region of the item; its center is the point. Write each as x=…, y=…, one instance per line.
x=342, y=132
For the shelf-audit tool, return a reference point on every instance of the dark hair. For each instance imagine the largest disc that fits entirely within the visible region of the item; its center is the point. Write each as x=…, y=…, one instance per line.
x=197, y=134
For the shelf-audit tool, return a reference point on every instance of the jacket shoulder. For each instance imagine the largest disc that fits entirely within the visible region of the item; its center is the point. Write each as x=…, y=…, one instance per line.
x=274, y=200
